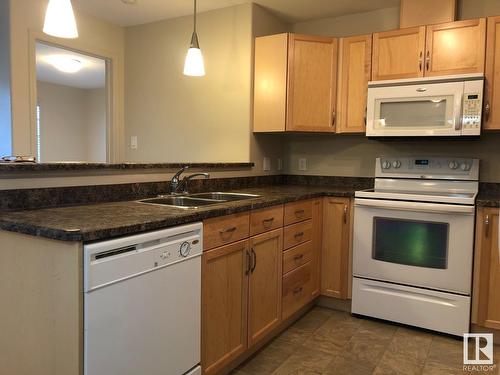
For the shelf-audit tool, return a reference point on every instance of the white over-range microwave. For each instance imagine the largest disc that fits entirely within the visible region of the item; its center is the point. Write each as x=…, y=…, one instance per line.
x=438, y=106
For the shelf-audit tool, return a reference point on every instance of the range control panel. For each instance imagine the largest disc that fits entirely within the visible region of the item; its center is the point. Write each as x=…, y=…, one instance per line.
x=425, y=167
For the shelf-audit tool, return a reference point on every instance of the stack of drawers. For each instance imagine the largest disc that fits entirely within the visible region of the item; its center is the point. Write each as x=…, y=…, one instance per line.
x=297, y=256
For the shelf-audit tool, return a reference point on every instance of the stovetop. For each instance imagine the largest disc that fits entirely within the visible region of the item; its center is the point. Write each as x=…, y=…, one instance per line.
x=438, y=180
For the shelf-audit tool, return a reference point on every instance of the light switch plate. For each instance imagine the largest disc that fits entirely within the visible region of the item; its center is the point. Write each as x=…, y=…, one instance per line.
x=302, y=164
x=133, y=142
x=266, y=164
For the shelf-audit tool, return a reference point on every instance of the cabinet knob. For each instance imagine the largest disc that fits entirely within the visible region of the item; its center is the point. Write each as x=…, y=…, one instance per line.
x=487, y=225
x=487, y=110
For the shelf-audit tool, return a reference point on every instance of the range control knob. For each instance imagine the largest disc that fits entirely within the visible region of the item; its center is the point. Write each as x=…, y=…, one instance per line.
x=453, y=165
x=386, y=165
x=465, y=166
x=184, y=249
x=396, y=164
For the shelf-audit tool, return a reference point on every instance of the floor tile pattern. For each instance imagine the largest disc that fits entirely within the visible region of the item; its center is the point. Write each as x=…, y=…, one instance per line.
x=328, y=342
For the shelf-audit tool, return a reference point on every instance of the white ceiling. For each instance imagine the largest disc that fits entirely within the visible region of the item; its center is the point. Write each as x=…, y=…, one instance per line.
x=145, y=11
x=92, y=75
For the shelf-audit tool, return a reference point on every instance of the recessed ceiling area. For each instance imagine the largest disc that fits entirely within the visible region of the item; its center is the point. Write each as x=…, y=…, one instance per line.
x=92, y=74
x=145, y=11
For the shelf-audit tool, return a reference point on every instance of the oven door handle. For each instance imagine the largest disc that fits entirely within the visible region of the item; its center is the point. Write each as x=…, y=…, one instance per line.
x=415, y=206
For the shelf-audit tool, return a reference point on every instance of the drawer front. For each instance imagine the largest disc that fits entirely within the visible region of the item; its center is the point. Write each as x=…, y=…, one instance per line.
x=297, y=233
x=297, y=256
x=224, y=230
x=266, y=219
x=298, y=211
x=296, y=290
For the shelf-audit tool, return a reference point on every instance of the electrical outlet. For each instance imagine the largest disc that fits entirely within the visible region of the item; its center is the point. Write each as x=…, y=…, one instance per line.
x=266, y=164
x=302, y=164
x=133, y=142
x=280, y=164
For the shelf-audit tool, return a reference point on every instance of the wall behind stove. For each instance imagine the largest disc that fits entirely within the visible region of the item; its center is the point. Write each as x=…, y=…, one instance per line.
x=340, y=155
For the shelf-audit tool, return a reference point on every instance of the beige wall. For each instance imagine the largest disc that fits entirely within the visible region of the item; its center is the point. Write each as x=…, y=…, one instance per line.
x=72, y=123
x=96, y=108
x=355, y=155
x=206, y=119
x=352, y=24
x=95, y=36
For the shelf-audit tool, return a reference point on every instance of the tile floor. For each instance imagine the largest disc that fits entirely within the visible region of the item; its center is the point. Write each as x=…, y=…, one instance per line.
x=328, y=342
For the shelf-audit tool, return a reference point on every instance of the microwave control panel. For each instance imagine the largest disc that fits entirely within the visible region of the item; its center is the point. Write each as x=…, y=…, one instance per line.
x=472, y=108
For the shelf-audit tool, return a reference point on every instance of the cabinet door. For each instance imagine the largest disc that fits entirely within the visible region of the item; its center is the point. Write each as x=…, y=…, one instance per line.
x=335, y=255
x=487, y=271
x=455, y=48
x=224, y=305
x=317, y=234
x=398, y=54
x=492, y=73
x=355, y=66
x=270, y=80
x=312, y=83
x=264, y=293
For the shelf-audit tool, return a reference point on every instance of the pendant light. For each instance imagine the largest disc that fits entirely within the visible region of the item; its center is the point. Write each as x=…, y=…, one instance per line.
x=194, y=65
x=60, y=20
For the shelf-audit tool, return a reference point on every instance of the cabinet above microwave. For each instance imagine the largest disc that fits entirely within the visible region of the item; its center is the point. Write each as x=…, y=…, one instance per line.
x=440, y=106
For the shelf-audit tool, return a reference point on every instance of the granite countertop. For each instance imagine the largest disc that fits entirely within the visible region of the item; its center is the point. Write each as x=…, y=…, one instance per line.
x=107, y=220
x=488, y=199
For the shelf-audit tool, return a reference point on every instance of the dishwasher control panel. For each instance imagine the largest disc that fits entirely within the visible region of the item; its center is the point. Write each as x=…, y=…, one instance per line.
x=115, y=260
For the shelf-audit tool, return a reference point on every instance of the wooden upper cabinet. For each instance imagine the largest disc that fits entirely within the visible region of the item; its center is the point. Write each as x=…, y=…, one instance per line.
x=492, y=74
x=312, y=83
x=224, y=305
x=295, y=83
x=355, y=68
x=265, y=280
x=398, y=54
x=455, y=48
x=486, y=299
x=270, y=83
x=335, y=271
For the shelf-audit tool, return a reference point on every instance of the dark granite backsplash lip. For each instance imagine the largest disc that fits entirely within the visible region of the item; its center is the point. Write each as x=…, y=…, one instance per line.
x=83, y=166
x=489, y=195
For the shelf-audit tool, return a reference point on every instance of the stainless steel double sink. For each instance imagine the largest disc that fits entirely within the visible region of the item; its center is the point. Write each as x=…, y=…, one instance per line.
x=197, y=200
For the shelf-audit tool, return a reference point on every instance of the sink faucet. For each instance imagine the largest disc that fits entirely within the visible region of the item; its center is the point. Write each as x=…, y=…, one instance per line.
x=176, y=184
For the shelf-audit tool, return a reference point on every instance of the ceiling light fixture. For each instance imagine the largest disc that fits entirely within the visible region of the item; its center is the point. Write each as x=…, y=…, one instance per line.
x=65, y=63
x=60, y=20
x=194, y=65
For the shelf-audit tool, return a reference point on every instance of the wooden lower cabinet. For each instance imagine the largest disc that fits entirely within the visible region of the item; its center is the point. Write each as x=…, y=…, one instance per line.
x=264, y=292
x=486, y=299
x=250, y=287
x=224, y=305
x=335, y=247
x=317, y=236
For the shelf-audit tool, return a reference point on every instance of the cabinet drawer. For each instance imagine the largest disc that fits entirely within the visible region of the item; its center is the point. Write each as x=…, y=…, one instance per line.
x=220, y=231
x=297, y=233
x=297, y=256
x=266, y=219
x=296, y=290
x=298, y=211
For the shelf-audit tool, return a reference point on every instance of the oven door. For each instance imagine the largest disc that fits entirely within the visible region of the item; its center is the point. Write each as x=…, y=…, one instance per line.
x=433, y=109
x=427, y=245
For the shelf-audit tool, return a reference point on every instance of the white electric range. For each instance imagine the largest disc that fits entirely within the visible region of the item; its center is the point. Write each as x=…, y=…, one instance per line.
x=413, y=243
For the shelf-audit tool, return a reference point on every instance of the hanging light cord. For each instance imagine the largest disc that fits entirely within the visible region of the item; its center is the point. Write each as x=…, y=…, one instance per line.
x=195, y=16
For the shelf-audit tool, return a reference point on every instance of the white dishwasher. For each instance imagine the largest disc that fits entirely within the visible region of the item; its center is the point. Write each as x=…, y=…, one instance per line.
x=142, y=303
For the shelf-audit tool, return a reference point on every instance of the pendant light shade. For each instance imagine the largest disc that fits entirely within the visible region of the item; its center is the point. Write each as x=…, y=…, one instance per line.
x=60, y=20
x=194, y=64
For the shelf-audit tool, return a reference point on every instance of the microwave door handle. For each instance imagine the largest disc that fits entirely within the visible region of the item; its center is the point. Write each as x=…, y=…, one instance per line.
x=415, y=206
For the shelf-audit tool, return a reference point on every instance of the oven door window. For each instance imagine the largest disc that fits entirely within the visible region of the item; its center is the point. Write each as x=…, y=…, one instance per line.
x=413, y=243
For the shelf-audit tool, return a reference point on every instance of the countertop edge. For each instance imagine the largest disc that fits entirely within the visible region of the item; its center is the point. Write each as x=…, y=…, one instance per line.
x=108, y=233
